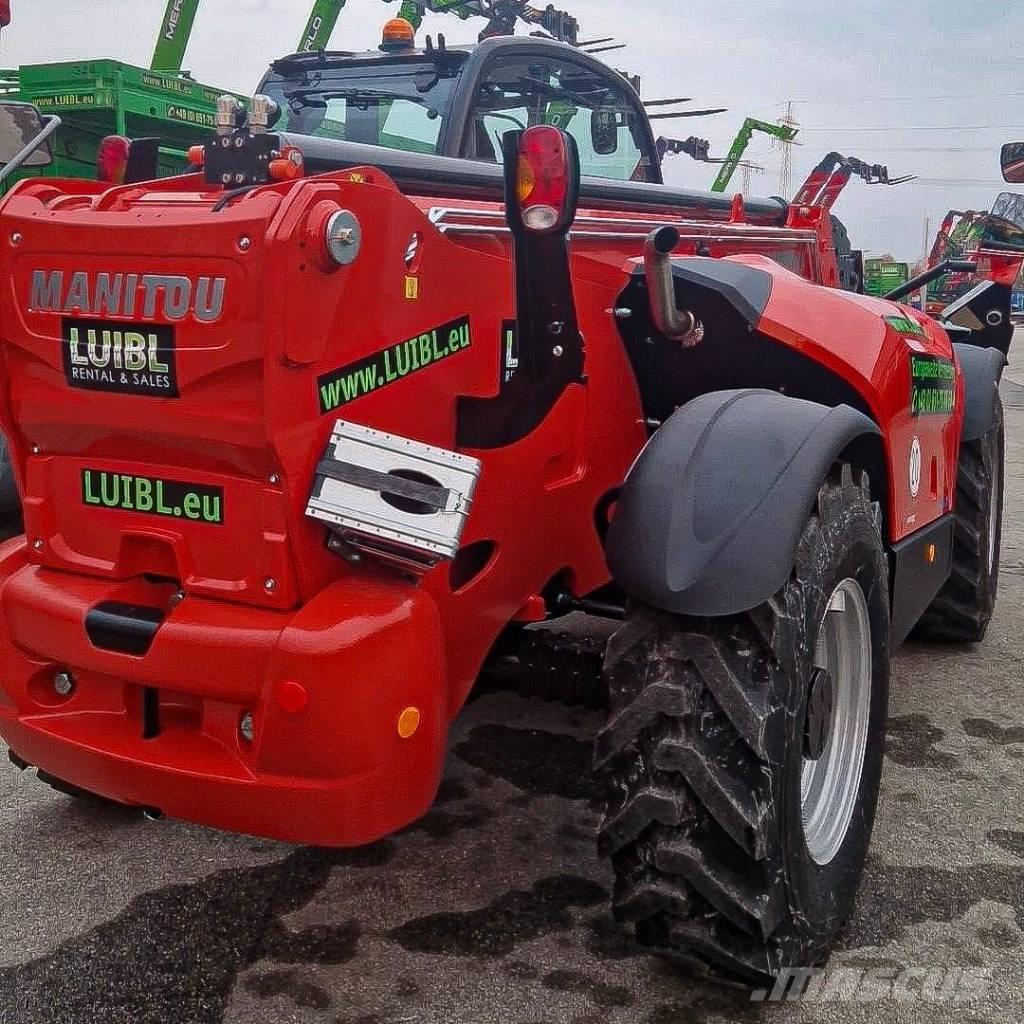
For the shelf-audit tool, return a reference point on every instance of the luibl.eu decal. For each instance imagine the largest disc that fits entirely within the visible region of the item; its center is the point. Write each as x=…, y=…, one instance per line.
x=171, y=499
x=129, y=358
x=932, y=385
x=339, y=387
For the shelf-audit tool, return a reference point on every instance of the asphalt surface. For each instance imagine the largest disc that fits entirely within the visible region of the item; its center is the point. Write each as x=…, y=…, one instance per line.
x=495, y=907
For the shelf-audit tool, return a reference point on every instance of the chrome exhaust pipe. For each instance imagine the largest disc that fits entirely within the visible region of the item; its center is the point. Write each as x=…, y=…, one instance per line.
x=675, y=323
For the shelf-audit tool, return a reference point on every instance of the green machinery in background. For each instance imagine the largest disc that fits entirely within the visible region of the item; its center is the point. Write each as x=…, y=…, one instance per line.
x=96, y=98
x=882, y=276
x=783, y=132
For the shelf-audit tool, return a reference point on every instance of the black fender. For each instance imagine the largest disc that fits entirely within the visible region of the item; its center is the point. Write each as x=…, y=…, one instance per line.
x=709, y=518
x=982, y=369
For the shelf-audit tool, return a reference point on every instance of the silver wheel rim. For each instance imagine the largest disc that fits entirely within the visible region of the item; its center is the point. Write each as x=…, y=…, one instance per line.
x=829, y=785
x=993, y=516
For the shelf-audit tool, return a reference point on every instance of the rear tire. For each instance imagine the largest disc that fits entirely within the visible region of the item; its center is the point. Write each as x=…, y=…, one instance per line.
x=705, y=746
x=10, y=500
x=963, y=608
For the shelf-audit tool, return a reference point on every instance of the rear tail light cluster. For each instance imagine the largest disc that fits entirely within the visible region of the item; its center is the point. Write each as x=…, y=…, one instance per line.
x=547, y=183
x=112, y=159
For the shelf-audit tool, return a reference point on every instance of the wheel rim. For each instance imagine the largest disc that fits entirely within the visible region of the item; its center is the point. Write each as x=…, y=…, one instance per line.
x=993, y=516
x=829, y=785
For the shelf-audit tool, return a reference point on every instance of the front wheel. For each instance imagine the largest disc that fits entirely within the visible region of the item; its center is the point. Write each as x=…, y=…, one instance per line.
x=962, y=610
x=745, y=755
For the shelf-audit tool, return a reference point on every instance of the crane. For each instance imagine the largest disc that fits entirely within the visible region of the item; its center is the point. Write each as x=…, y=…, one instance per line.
x=783, y=132
x=833, y=173
x=322, y=19
x=175, y=31
x=180, y=15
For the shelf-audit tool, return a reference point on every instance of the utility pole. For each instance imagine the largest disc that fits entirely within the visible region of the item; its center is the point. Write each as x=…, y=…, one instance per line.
x=175, y=30
x=786, y=144
x=925, y=248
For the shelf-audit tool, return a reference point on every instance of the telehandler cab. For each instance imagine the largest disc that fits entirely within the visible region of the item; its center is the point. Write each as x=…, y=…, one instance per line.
x=305, y=435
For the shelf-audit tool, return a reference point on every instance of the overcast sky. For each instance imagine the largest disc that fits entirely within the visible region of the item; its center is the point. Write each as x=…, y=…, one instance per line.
x=931, y=87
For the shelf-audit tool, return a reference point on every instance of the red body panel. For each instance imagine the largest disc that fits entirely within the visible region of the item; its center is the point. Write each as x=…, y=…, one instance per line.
x=266, y=603
x=848, y=333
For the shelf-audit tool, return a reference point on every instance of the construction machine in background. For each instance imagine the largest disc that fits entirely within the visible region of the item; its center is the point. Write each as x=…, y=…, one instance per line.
x=783, y=132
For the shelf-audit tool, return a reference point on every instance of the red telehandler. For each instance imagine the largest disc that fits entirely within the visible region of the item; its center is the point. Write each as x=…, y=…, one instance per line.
x=304, y=436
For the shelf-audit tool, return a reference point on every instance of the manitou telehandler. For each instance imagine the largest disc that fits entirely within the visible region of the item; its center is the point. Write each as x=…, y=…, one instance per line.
x=304, y=437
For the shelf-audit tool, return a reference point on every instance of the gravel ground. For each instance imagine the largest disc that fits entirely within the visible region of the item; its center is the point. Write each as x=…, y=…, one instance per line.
x=495, y=907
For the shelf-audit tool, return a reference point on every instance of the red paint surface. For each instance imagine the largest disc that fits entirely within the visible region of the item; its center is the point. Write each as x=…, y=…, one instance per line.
x=362, y=644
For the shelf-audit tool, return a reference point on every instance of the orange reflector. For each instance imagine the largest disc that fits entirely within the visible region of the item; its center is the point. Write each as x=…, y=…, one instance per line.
x=284, y=170
x=527, y=180
x=409, y=722
x=197, y=156
x=931, y=553
x=399, y=32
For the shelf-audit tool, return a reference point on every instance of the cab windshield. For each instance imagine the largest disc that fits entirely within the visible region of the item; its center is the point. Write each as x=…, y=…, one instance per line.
x=401, y=107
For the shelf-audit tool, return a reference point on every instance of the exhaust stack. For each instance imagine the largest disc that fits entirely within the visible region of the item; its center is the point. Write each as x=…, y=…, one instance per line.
x=671, y=321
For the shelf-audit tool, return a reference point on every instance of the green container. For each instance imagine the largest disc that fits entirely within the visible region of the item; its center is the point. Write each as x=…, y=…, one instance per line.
x=884, y=276
x=96, y=98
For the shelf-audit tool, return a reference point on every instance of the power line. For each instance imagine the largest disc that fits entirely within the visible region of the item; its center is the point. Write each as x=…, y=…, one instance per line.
x=938, y=149
x=947, y=182
x=917, y=128
x=905, y=99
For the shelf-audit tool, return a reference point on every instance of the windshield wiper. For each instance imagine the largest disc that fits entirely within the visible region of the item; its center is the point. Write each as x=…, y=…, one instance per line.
x=318, y=97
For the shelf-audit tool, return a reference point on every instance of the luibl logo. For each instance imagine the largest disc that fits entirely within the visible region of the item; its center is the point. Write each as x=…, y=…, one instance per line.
x=130, y=358
x=134, y=296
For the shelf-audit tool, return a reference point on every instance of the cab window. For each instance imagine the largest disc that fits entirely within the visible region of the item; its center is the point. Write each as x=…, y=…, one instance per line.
x=399, y=106
x=604, y=119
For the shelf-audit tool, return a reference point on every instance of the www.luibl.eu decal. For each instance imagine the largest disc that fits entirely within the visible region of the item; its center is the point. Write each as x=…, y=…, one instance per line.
x=370, y=374
x=932, y=385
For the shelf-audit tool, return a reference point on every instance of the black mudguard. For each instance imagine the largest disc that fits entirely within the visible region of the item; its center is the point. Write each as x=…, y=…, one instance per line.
x=709, y=518
x=982, y=369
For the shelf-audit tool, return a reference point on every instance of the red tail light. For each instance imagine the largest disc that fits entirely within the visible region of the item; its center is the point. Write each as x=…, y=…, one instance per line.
x=548, y=179
x=5, y=13
x=112, y=159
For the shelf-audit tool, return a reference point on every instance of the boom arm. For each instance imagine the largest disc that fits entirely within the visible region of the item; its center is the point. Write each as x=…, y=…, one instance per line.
x=784, y=132
x=502, y=16
x=828, y=179
x=412, y=10
x=322, y=20
x=175, y=31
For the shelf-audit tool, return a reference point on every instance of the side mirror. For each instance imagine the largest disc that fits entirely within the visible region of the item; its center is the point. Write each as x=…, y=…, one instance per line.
x=1004, y=226
x=22, y=126
x=1011, y=159
x=604, y=131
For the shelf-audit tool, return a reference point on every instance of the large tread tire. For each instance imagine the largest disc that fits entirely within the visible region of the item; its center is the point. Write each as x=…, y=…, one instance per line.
x=10, y=500
x=704, y=745
x=962, y=610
